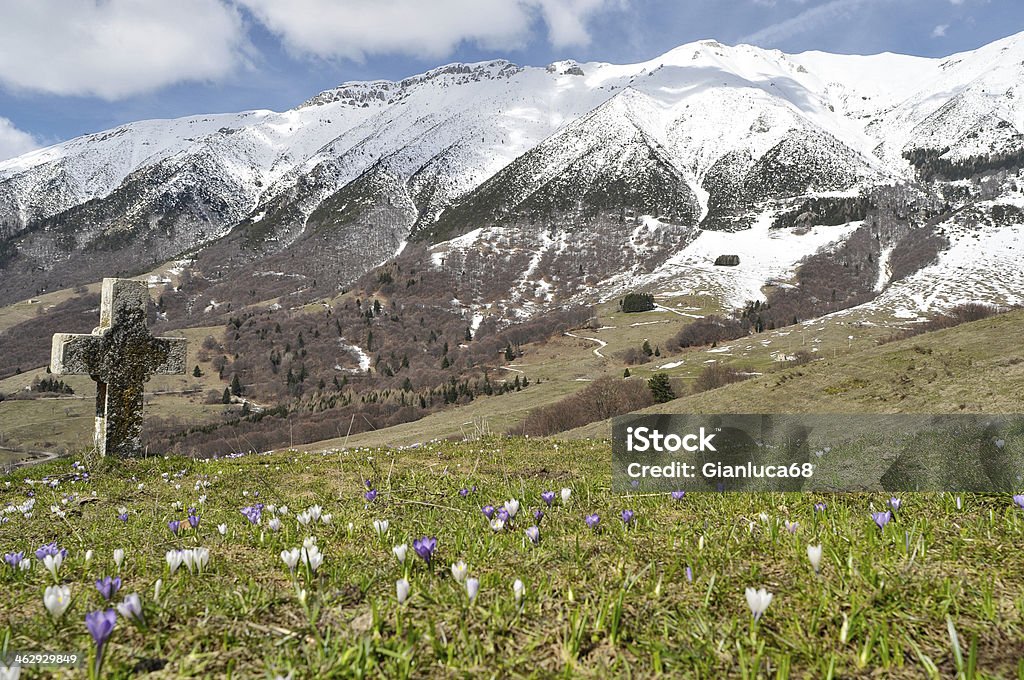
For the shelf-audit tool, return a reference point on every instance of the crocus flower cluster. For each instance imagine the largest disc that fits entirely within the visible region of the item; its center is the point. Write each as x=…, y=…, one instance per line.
x=253, y=513
x=194, y=559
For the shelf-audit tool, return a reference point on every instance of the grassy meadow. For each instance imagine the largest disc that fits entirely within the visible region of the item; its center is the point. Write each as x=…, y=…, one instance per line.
x=938, y=592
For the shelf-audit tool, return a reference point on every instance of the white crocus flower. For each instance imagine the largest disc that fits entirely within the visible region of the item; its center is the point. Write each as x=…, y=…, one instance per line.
x=274, y=524
x=303, y=518
x=118, y=557
x=88, y=557
x=518, y=589
x=472, y=588
x=174, y=560
x=400, y=551
x=312, y=557
x=566, y=495
x=497, y=524
x=512, y=507
x=459, y=571
x=814, y=555
x=57, y=599
x=326, y=518
x=758, y=601
x=201, y=558
x=52, y=564
x=223, y=529
x=309, y=542
x=156, y=589
x=291, y=558
x=314, y=512
x=131, y=608
x=381, y=526
x=188, y=557
x=402, y=590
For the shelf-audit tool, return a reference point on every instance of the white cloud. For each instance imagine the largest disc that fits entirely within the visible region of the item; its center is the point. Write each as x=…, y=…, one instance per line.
x=353, y=29
x=940, y=31
x=807, y=20
x=116, y=48
x=14, y=142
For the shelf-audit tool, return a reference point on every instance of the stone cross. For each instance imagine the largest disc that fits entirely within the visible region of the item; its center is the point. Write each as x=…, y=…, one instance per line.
x=120, y=355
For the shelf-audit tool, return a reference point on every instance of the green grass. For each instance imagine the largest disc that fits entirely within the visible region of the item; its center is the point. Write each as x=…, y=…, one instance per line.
x=616, y=603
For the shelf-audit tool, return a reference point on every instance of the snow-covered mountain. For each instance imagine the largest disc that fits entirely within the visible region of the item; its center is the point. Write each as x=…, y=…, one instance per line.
x=609, y=171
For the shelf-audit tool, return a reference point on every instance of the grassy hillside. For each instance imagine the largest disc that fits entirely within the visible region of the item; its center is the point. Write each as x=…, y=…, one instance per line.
x=975, y=368
x=661, y=596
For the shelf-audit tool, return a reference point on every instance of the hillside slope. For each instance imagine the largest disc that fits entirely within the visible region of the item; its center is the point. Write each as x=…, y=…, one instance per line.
x=977, y=367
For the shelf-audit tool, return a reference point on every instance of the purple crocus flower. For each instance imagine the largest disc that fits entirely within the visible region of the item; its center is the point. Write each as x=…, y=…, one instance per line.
x=101, y=624
x=627, y=517
x=895, y=503
x=253, y=513
x=14, y=559
x=820, y=506
x=463, y=492
x=108, y=587
x=174, y=525
x=533, y=533
x=881, y=518
x=50, y=549
x=425, y=547
x=678, y=495
x=538, y=515
x=368, y=483
x=548, y=497
x=123, y=517
x=370, y=495
x=689, y=574
x=488, y=511
x=193, y=521
x=502, y=514
x=592, y=520
x=1019, y=500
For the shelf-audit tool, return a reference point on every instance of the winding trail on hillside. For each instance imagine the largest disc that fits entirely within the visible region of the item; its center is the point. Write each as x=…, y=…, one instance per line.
x=601, y=343
x=33, y=458
x=675, y=311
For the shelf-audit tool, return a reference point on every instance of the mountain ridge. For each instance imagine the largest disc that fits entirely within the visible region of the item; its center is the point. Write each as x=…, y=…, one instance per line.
x=731, y=132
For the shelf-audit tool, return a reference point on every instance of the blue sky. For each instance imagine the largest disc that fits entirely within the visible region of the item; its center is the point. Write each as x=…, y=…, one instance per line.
x=69, y=67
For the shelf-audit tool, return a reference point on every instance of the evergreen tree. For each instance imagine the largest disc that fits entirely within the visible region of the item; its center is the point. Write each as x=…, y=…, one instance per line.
x=226, y=397
x=661, y=388
x=196, y=372
x=647, y=348
x=236, y=386
x=625, y=374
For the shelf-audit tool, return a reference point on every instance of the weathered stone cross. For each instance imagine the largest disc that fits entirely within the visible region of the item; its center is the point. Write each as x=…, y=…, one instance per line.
x=120, y=355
